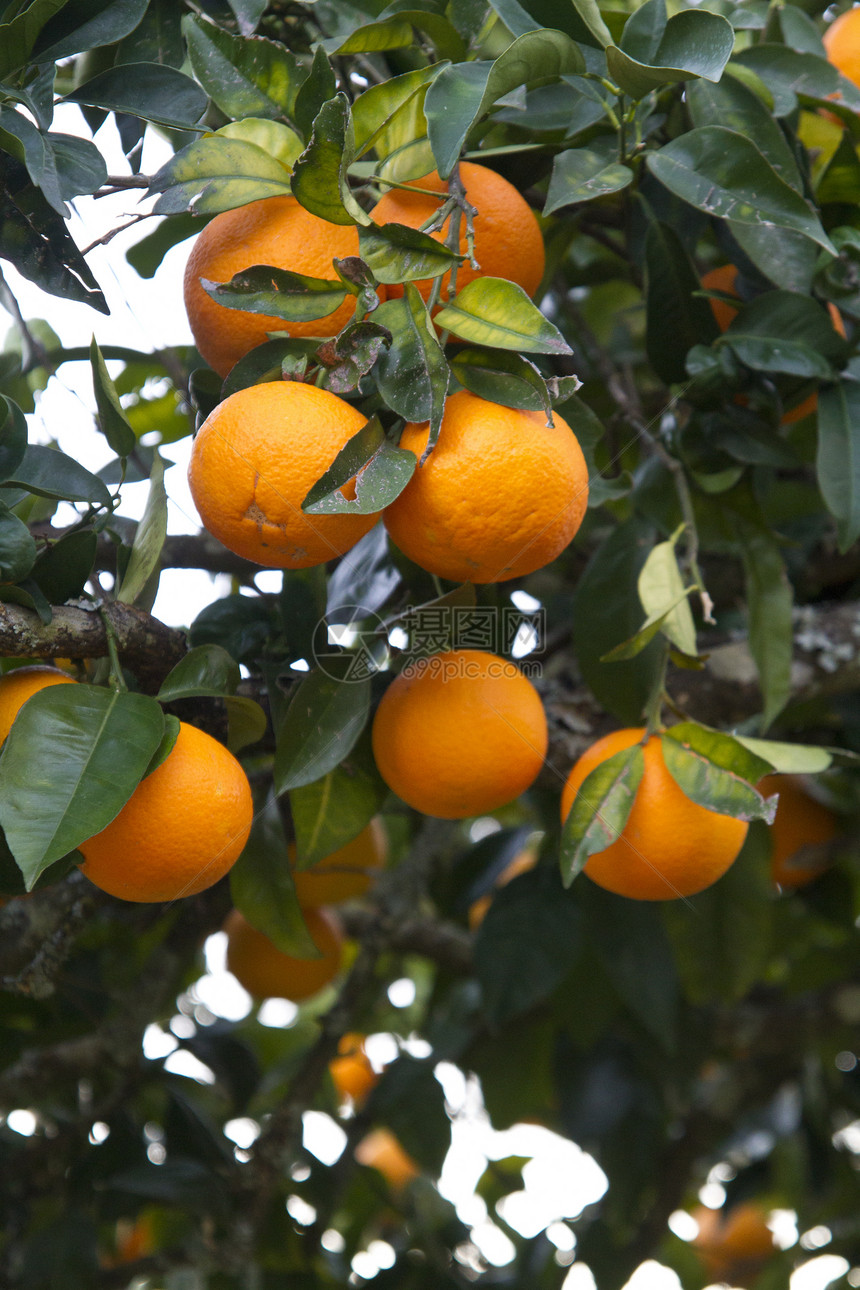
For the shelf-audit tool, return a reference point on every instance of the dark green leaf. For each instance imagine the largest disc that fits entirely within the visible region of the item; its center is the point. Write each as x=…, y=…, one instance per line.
x=323, y=722
x=368, y=578
x=735, y=106
x=585, y=174
x=413, y=373
x=248, y=14
x=207, y=670
x=242, y=625
x=783, y=332
x=381, y=472
x=47, y=472
x=147, y=254
x=61, y=165
x=838, y=459
x=319, y=88
x=462, y=94
x=334, y=809
x=714, y=771
x=13, y=437
x=87, y=24
x=165, y=748
x=216, y=174
x=244, y=77
x=502, y=377
x=112, y=421
x=724, y=174
x=589, y=13
x=17, y=547
x=788, y=74
x=644, y=30
x=63, y=568
x=261, y=886
x=28, y=594
x=146, y=90
x=409, y=1083
x=694, y=43
x=496, y=312
x=148, y=540
x=397, y=253
x=18, y=36
x=676, y=319
x=600, y=809
x=320, y=179
x=72, y=760
x=279, y=293
x=351, y=355
x=529, y=940
x=771, y=630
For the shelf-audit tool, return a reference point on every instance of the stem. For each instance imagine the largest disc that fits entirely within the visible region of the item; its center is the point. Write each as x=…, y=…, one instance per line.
x=116, y=676
x=653, y=710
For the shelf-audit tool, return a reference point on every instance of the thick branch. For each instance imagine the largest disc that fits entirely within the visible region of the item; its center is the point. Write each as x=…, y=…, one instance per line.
x=145, y=645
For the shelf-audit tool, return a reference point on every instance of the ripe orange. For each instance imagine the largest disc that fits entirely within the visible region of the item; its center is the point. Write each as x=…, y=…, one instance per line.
x=182, y=828
x=345, y=874
x=17, y=686
x=380, y=1150
x=351, y=1071
x=842, y=44
x=800, y=822
x=277, y=231
x=254, y=460
x=267, y=973
x=508, y=242
x=521, y=863
x=724, y=279
x=459, y=733
x=502, y=494
x=733, y=1244
x=670, y=846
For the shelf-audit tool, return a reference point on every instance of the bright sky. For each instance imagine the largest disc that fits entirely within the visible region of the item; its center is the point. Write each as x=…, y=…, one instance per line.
x=560, y=1179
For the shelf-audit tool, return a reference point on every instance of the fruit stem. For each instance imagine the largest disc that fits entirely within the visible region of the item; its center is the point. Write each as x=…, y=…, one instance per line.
x=653, y=711
x=116, y=676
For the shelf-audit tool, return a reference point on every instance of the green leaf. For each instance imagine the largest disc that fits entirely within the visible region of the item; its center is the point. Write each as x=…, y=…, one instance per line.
x=17, y=547
x=335, y=808
x=147, y=254
x=18, y=37
x=319, y=87
x=146, y=90
x=496, y=312
x=261, y=886
x=788, y=74
x=713, y=770
x=244, y=77
x=149, y=538
x=397, y=253
x=663, y=594
x=771, y=629
x=278, y=140
x=585, y=174
x=13, y=437
x=676, y=319
x=735, y=106
x=694, y=43
x=780, y=331
x=351, y=355
x=323, y=722
x=62, y=569
x=61, y=165
x=642, y=639
x=502, y=377
x=320, y=175
x=86, y=24
x=462, y=94
x=529, y=940
x=72, y=760
x=381, y=472
x=368, y=578
x=600, y=809
x=47, y=472
x=606, y=606
x=788, y=759
x=374, y=110
x=838, y=458
x=217, y=173
x=246, y=722
x=725, y=175
x=413, y=373
x=280, y=293
x=112, y=421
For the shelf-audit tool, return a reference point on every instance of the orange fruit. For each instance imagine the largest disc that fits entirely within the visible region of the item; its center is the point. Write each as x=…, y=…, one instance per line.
x=351, y=1071
x=182, y=828
x=459, y=733
x=268, y=973
x=380, y=1150
x=508, y=242
x=253, y=462
x=801, y=822
x=842, y=44
x=735, y=1243
x=501, y=494
x=724, y=279
x=276, y=231
x=670, y=846
x=16, y=688
x=521, y=863
x=346, y=873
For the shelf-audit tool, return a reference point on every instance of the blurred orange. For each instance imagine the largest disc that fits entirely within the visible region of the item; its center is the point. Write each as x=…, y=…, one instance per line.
x=801, y=822
x=521, y=863
x=735, y=1243
x=381, y=1150
x=351, y=1071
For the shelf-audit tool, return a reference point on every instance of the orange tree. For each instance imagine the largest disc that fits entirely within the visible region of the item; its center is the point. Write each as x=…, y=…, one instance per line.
x=705, y=597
